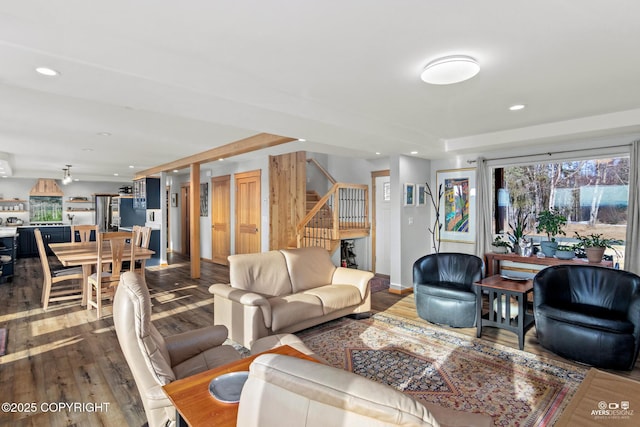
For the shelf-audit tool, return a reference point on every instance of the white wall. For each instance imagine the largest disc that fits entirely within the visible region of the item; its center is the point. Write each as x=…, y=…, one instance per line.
x=410, y=240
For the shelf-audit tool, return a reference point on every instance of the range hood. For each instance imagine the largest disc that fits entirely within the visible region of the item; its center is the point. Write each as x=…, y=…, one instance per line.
x=46, y=187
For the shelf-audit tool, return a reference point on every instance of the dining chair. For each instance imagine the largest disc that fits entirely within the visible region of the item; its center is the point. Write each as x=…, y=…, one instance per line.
x=84, y=232
x=58, y=285
x=142, y=238
x=102, y=283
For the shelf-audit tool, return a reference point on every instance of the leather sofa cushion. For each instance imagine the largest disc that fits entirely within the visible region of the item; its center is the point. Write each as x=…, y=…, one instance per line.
x=288, y=310
x=453, y=290
x=265, y=273
x=308, y=268
x=336, y=297
x=588, y=316
x=311, y=394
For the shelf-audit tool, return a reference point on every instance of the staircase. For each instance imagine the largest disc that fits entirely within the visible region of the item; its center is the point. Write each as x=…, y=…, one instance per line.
x=342, y=213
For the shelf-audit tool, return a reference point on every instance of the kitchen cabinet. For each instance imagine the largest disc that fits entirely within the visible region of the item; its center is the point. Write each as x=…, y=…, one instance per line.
x=7, y=256
x=27, y=246
x=146, y=193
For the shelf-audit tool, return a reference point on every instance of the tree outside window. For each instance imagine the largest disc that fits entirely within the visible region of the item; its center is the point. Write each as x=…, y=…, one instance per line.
x=592, y=194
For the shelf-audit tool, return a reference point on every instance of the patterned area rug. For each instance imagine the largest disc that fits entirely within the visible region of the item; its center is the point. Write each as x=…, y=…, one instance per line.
x=449, y=369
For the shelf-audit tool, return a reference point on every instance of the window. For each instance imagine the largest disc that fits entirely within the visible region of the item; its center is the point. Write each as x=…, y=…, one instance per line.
x=593, y=195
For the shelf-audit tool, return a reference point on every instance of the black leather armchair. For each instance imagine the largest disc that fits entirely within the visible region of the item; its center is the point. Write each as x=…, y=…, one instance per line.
x=443, y=288
x=589, y=314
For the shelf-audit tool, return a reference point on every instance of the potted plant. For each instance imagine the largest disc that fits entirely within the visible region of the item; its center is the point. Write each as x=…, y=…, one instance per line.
x=551, y=223
x=594, y=246
x=518, y=231
x=565, y=251
x=501, y=246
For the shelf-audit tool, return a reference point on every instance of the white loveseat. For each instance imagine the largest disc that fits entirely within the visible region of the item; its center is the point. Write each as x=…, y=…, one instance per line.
x=285, y=291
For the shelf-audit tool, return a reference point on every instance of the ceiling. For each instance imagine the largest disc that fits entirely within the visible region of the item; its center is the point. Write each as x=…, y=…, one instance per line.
x=168, y=79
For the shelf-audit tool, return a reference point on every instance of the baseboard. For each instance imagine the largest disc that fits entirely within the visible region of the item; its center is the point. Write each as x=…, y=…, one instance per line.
x=404, y=291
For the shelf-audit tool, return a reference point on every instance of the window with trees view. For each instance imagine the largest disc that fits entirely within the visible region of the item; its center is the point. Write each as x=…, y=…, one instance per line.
x=592, y=194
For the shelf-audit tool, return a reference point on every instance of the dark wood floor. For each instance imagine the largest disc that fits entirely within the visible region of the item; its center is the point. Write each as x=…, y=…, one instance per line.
x=66, y=355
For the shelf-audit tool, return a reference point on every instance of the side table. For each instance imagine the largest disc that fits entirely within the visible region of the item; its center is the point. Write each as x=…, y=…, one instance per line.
x=501, y=292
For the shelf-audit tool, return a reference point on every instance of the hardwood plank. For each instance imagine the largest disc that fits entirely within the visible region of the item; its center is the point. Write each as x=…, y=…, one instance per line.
x=64, y=354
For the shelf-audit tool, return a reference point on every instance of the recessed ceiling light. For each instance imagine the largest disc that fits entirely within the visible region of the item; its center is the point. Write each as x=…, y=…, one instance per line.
x=517, y=107
x=131, y=166
x=116, y=174
x=377, y=153
x=221, y=160
x=104, y=134
x=46, y=71
x=449, y=70
x=414, y=152
x=87, y=149
x=302, y=140
x=175, y=170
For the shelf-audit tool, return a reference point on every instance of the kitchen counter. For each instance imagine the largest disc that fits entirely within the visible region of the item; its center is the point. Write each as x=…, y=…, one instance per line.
x=8, y=231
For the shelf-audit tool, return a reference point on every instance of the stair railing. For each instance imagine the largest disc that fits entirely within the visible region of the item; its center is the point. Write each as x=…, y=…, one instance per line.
x=344, y=208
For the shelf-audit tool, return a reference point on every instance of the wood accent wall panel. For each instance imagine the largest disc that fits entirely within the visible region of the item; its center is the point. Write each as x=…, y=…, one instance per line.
x=287, y=195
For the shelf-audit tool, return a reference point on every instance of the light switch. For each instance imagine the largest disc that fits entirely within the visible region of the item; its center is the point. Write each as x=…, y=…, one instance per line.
x=410, y=220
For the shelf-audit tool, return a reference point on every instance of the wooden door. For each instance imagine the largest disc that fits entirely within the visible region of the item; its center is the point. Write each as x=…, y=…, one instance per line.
x=186, y=223
x=221, y=219
x=248, y=212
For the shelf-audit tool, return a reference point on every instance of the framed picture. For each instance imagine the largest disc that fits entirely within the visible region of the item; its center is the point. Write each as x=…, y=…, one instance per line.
x=421, y=196
x=458, y=206
x=204, y=199
x=174, y=200
x=409, y=194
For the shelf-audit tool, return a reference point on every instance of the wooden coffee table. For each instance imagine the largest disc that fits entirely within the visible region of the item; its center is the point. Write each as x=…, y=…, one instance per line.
x=198, y=407
x=501, y=292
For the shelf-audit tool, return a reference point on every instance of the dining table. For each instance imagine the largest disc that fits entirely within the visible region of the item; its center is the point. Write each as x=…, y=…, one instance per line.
x=85, y=255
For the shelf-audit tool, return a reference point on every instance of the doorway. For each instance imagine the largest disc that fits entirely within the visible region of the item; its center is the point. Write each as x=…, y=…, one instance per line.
x=248, y=212
x=381, y=222
x=221, y=219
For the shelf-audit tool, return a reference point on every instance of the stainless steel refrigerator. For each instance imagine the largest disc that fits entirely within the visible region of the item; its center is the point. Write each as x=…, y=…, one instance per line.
x=104, y=219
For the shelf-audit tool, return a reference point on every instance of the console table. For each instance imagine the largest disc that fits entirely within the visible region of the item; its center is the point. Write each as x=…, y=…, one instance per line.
x=493, y=261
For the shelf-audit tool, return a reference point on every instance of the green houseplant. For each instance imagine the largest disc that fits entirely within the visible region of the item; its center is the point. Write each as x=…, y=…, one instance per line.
x=501, y=246
x=518, y=230
x=564, y=251
x=550, y=222
x=594, y=245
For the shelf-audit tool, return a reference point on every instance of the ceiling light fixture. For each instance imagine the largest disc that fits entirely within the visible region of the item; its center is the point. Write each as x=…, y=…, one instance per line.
x=450, y=69
x=46, y=71
x=66, y=178
x=517, y=107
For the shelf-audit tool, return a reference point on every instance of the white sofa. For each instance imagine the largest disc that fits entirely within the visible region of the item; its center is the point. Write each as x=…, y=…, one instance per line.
x=285, y=291
x=283, y=390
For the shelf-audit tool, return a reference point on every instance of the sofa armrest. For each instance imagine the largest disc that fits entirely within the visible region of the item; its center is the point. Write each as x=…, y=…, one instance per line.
x=245, y=298
x=350, y=276
x=188, y=344
x=156, y=398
